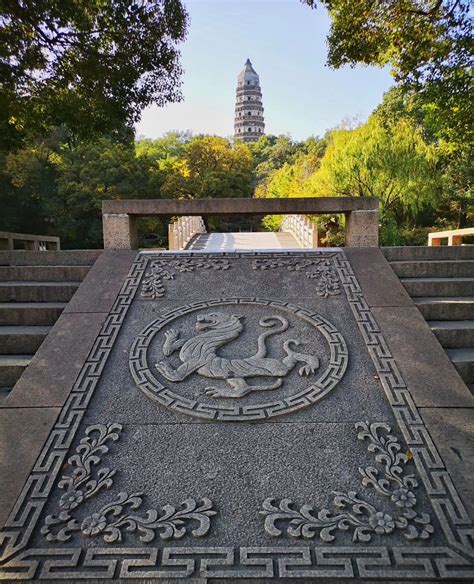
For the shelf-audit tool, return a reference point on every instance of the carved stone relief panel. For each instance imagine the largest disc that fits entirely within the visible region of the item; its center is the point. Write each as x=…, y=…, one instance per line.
x=240, y=418
x=241, y=358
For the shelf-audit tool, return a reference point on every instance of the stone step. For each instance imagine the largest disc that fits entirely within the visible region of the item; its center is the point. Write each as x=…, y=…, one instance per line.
x=432, y=269
x=30, y=313
x=445, y=252
x=453, y=334
x=463, y=360
x=439, y=286
x=20, y=257
x=44, y=273
x=446, y=307
x=11, y=368
x=15, y=340
x=17, y=291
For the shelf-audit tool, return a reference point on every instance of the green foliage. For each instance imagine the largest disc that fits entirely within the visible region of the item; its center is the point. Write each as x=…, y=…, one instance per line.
x=272, y=222
x=428, y=44
x=57, y=189
x=394, y=164
x=88, y=66
x=89, y=174
x=209, y=167
x=455, y=171
x=292, y=178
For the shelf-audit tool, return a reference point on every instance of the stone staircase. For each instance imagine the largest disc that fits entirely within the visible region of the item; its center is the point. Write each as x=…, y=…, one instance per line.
x=441, y=282
x=35, y=287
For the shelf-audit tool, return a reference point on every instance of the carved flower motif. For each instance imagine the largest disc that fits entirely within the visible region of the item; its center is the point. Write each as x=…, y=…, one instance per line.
x=94, y=524
x=381, y=523
x=184, y=266
x=71, y=499
x=403, y=498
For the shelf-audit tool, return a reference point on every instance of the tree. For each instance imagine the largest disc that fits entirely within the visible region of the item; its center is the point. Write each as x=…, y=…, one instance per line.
x=428, y=43
x=455, y=172
x=394, y=164
x=210, y=167
x=91, y=173
x=89, y=66
x=271, y=153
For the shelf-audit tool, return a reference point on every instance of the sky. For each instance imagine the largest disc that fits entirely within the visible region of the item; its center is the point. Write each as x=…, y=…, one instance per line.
x=286, y=43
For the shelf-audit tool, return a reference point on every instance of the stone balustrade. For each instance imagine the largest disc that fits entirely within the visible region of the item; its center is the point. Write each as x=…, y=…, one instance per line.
x=183, y=229
x=303, y=230
x=454, y=236
x=29, y=242
x=119, y=216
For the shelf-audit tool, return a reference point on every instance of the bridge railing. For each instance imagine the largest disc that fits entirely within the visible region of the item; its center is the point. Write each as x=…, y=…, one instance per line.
x=183, y=229
x=29, y=242
x=120, y=229
x=302, y=228
x=454, y=236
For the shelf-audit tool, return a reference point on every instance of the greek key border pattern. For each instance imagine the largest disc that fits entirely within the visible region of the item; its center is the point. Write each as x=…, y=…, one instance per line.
x=451, y=513
x=317, y=562
x=29, y=505
x=315, y=391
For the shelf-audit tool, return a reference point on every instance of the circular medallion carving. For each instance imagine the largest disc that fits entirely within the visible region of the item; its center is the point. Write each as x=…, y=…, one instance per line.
x=238, y=359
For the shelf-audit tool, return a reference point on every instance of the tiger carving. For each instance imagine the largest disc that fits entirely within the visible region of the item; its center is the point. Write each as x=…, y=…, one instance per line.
x=200, y=354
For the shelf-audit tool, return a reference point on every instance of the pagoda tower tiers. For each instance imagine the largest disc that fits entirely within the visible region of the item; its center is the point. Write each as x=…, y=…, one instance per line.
x=249, y=124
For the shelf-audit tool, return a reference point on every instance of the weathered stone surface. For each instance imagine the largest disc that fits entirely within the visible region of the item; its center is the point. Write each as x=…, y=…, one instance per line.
x=426, y=368
x=362, y=228
x=19, y=257
x=301, y=205
x=422, y=252
x=36, y=424
x=453, y=431
x=380, y=285
x=240, y=417
x=100, y=287
x=53, y=370
x=120, y=231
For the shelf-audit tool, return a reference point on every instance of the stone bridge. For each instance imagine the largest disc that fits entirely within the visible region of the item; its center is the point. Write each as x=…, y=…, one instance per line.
x=120, y=227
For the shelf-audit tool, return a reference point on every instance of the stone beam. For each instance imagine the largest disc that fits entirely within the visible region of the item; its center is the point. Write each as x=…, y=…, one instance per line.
x=301, y=205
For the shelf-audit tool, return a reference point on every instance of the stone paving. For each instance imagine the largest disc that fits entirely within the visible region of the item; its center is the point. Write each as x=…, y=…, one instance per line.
x=242, y=417
x=215, y=242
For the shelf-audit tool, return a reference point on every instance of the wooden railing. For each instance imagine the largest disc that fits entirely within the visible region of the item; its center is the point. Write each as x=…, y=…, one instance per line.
x=29, y=242
x=454, y=236
x=181, y=231
x=302, y=228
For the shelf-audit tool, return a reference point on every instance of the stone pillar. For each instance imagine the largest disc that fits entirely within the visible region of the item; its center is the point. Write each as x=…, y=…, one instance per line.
x=362, y=229
x=186, y=231
x=180, y=234
x=171, y=243
x=120, y=231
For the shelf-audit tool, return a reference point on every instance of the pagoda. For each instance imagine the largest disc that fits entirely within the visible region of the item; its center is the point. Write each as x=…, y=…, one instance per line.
x=249, y=123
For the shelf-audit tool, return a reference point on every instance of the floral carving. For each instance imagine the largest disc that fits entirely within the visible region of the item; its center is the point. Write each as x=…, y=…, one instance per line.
x=161, y=270
x=320, y=269
x=353, y=512
x=118, y=515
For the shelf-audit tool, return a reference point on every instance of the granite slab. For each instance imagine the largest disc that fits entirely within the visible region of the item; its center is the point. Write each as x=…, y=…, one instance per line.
x=239, y=418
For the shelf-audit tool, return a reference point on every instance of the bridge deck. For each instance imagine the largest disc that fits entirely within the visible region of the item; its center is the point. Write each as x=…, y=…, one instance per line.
x=242, y=241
